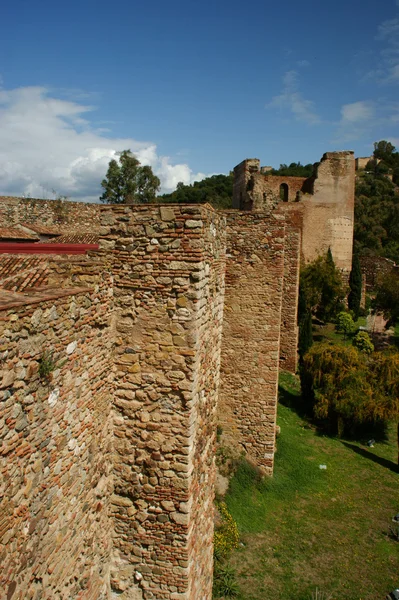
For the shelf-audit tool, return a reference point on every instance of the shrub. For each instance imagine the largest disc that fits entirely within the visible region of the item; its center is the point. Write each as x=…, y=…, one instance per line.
x=226, y=535
x=46, y=365
x=345, y=323
x=362, y=342
x=224, y=582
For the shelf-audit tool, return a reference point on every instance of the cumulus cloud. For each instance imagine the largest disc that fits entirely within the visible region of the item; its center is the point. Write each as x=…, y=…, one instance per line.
x=48, y=143
x=291, y=99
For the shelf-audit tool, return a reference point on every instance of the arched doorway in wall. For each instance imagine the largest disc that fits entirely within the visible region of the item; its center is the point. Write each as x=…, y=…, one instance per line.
x=284, y=192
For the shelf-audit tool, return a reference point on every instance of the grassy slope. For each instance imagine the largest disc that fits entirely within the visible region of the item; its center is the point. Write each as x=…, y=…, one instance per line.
x=307, y=527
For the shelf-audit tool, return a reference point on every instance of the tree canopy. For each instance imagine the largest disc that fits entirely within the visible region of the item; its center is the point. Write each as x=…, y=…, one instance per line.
x=294, y=170
x=352, y=387
x=217, y=190
x=377, y=204
x=322, y=287
x=128, y=182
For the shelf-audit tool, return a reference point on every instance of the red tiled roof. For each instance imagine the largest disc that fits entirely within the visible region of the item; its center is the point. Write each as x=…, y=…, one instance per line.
x=19, y=273
x=13, y=233
x=75, y=238
x=41, y=229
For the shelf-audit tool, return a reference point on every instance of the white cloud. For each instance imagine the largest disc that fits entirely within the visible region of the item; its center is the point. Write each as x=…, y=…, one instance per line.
x=357, y=119
x=356, y=112
x=47, y=143
x=291, y=99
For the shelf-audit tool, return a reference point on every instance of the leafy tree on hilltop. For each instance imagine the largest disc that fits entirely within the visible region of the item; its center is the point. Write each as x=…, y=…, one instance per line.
x=128, y=182
x=217, y=190
x=377, y=204
x=294, y=170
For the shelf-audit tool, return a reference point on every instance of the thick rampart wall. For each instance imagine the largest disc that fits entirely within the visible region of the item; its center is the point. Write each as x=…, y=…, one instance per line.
x=251, y=333
x=168, y=266
x=289, y=307
x=55, y=457
x=70, y=217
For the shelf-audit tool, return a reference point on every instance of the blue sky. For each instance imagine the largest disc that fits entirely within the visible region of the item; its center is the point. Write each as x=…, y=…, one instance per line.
x=191, y=88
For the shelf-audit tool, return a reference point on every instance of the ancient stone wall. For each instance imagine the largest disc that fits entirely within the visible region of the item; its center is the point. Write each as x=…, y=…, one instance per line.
x=253, y=189
x=251, y=333
x=327, y=197
x=74, y=217
x=168, y=266
x=55, y=457
x=289, y=308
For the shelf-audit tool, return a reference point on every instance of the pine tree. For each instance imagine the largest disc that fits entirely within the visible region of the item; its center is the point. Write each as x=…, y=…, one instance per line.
x=355, y=284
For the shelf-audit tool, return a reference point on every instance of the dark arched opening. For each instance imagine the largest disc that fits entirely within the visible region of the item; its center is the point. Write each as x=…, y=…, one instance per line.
x=284, y=192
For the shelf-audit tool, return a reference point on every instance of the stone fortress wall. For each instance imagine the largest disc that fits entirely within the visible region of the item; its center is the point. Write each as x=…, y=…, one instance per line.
x=182, y=318
x=327, y=200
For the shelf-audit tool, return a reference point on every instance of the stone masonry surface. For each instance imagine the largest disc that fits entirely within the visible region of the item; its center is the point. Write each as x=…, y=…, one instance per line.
x=107, y=456
x=327, y=199
x=69, y=217
x=251, y=333
x=168, y=266
x=55, y=428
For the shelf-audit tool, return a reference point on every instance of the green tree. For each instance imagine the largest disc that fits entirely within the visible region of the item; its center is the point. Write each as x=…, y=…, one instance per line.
x=362, y=342
x=217, y=190
x=127, y=182
x=345, y=323
x=322, y=285
x=387, y=298
x=352, y=387
x=305, y=338
x=355, y=284
x=294, y=170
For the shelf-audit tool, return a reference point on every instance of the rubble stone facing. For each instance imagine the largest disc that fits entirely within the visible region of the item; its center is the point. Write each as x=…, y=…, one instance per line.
x=168, y=267
x=107, y=464
x=74, y=217
x=289, y=307
x=251, y=333
x=55, y=453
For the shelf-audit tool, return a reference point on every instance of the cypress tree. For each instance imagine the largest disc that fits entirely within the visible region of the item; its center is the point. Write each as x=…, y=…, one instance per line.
x=305, y=334
x=355, y=284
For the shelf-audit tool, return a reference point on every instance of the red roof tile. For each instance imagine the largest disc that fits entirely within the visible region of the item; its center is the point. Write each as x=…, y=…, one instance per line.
x=75, y=238
x=41, y=229
x=19, y=273
x=13, y=233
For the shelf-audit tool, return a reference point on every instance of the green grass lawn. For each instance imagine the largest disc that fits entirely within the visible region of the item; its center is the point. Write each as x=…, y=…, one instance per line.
x=306, y=527
x=327, y=332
